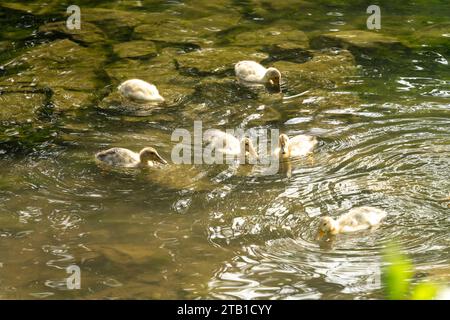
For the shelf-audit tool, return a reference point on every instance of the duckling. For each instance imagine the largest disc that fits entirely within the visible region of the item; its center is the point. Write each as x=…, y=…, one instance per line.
x=356, y=219
x=251, y=71
x=121, y=157
x=445, y=200
x=296, y=146
x=140, y=91
x=229, y=145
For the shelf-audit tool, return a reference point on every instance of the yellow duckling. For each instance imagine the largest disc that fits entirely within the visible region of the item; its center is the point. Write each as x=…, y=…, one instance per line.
x=356, y=219
x=445, y=200
x=253, y=72
x=121, y=157
x=297, y=146
x=228, y=144
x=140, y=91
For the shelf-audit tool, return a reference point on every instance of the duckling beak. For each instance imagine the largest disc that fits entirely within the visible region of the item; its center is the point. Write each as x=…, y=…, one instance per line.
x=275, y=83
x=320, y=234
x=160, y=159
x=273, y=86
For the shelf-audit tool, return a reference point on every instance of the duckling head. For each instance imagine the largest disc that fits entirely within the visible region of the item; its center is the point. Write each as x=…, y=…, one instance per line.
x=283, y=142
x=327, y=225
x=159, y=98
x=249, y=148
x=155, y=96
x=150, y=154
x=273, y=77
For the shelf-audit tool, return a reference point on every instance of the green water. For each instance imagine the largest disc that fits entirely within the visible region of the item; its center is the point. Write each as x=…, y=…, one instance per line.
x=378, y=101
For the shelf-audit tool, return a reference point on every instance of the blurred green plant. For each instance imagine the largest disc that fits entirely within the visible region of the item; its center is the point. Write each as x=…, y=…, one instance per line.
x=397, y=275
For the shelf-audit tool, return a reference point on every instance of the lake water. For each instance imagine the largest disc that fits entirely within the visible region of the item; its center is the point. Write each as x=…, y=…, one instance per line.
x=378, y=102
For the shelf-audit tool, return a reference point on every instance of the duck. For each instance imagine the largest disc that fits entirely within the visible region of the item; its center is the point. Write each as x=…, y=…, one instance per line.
x=228, y=144
x=121, y=157
x=140, y=91
x=357, y=219
x=447, y=199
x=253, y=72
x=297, y=146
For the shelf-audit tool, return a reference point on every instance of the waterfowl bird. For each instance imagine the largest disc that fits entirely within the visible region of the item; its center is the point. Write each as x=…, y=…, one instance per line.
x=121, y=157
x=140, y=91
x=253, y=72
x=296, y=146
x=356, y=219
x=227, y=144
x=445, y=200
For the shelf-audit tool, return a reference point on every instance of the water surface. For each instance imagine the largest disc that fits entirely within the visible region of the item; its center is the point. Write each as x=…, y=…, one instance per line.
x=380, y=110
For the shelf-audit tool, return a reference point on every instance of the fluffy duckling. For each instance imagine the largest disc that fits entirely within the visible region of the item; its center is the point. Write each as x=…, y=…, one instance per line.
x=121, y=157
x=356, y=219
x=140, y=91
x=296, y=146
x=445, y=200
x=253, y=72
x=229, y=145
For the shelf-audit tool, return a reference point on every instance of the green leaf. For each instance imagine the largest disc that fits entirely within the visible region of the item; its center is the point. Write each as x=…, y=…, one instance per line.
x=397, y=274
x=424, y=291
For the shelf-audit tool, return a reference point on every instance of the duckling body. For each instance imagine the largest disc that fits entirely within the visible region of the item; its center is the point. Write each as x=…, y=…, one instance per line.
x=228, y=144
x=253, y=72
x=356, y=219
x=140, y=91
x=297, y=146
x=121, y=157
